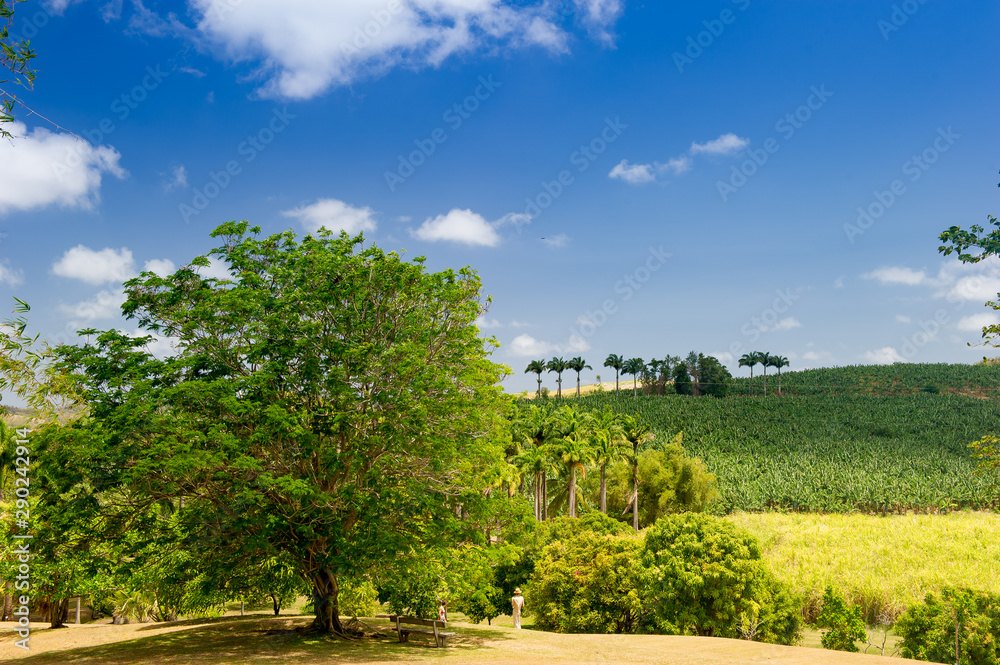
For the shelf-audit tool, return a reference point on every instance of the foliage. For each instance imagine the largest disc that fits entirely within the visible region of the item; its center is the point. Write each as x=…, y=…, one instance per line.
x=358, y=597
x=15, y=57
x=714, y=378
x=883, y=380
x=707, y=575
x=987, y=451
x=330, y=403
x=844, y=624
x=589, y=583
x=682, y=380
x=484, y=603
x=929, y=630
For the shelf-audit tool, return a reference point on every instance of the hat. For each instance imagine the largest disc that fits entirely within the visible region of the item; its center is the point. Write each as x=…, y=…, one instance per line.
x=517, y=590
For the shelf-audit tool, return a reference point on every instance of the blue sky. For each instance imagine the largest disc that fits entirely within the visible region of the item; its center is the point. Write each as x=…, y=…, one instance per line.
x=640, y=179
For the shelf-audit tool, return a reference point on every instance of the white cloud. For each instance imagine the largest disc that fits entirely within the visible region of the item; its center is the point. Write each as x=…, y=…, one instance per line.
x=723, y=357
x=41, y=168
x=726, y=144
x=897, y=275
x=104, y=305
x=216, y=269
x=179, y=179
x=677, y=165
x=633, y=174
x=818, y=356
x=976, y=322
x=485, y=324
x=558, y=240
x=161, y=267
x=10, y=276
x=787, y=324
x=519, y=324
x=96, y=267
x=461, y=226
x=839, y=282
x=902, y=318
x=159, y=346
x=309, y=46
x=335, y=215
x=197, y=73
x=884, y=356
x=526, y=346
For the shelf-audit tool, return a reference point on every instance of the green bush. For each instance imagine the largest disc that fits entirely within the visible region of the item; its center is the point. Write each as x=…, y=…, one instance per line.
x=707, y=578
x=358, y=597
x=928, y=630
x=590, y=583
x=484, y=604
x=844, y=624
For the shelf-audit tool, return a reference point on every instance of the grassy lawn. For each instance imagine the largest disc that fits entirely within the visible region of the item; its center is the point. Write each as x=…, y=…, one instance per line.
x=235, y=640
x=883, y=563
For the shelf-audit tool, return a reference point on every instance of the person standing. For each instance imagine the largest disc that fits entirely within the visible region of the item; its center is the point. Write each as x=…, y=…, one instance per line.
x=516, y=605
x=443, y=612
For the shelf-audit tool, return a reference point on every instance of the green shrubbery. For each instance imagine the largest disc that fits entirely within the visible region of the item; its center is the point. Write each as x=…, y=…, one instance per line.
x=928, y=630
x=689, y=574
x=844, y=624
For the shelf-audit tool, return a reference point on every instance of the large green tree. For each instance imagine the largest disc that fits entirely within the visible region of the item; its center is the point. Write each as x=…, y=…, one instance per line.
x=557, y=365
x=330, y=404
x=578, y=364
x=615, y=362
x=635, y=367
x=537, y=366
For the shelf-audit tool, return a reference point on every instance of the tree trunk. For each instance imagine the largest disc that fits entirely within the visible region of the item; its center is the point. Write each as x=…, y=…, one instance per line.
x=779, y=380
x=572, y=491
x=545, y=497
x=635, y=487
x=325, y=601
x=539, y=495
x=616, y=383
x=633, y=386
x=559, y=383
x=539, y=386
x=751, y=380
x=577, y=384
x=58, y=611
x=6, y=614
x=604, y=490
x=277, y=605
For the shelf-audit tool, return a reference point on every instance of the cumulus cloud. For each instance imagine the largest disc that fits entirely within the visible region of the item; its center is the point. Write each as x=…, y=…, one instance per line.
x=787, y=324
x=335, y=215
x=96, y=266
x=10, y=276
x=526, y=346
x=633, y=174
x=902, y=318
x=42, y=168
x=178, y=179
x=726, y=144
x=309, y=46
x=161, y=267
x=461, y=226
x=104, y=305
x=976, y=322
x=884, y=356
x=896, y=275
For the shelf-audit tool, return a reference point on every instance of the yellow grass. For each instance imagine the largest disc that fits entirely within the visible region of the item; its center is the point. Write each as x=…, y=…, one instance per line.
x=882, y=563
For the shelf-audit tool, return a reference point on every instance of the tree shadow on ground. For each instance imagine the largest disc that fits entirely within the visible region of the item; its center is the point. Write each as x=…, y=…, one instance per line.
x=253, y=640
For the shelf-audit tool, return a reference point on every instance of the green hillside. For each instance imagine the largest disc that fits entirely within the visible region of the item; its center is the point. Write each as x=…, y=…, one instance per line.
x=873, y=442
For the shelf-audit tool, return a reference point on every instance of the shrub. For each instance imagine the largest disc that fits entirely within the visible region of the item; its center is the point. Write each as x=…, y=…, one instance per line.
x=484, y=604
x=928, y=630
x=590, y=583
x=707, y=578
x=358, y=598
x=845, y=625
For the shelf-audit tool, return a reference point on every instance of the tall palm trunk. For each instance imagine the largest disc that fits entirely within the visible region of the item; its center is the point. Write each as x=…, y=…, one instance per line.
x=634, y=393
x=572, y=491
x=559, y=382
x=326, y=591
x=751, y=380
x=545, y=497
x=765, y=380
x=635, y=487
x=779, y=380
x=577, y=384
x=539, y=499
x=604, y=490
x=616, y=382
x=539, y=385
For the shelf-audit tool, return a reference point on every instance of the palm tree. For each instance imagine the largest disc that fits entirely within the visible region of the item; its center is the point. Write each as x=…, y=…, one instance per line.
x=537, y=462
x=574, y=451
x=779, y=362
x=578, y=364
x=608, y=441
x=749, y=360
x=765, y=360
x=633, y=366
x=635, y=432
x=652, y=372
x=557, y=365
x=615, y=362
x=537, y=366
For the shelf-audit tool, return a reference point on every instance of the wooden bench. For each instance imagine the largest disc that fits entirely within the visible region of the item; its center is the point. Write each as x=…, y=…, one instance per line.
x=434, y=627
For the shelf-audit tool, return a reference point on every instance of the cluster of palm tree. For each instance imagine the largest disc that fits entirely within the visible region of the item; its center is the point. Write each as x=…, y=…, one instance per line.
x=755, y=358
x=552, y=447
x=655, y=371
x=558, y=365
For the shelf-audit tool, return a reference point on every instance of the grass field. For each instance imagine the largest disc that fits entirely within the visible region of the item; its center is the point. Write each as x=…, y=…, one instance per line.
x=882, y=563
x=259, y=640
